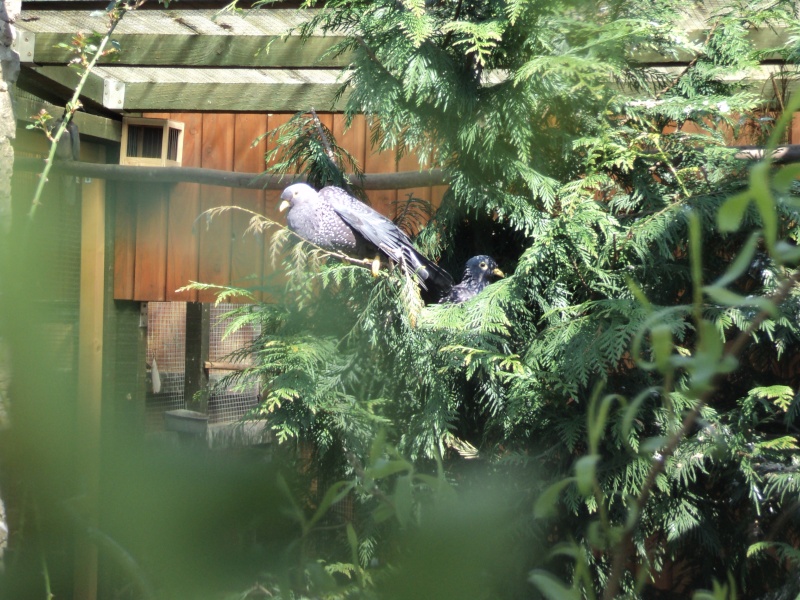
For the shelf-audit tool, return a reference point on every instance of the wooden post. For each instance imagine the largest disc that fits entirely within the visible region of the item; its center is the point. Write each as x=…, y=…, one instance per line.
x=90, y=380
x=794, y=129
x=198, y=326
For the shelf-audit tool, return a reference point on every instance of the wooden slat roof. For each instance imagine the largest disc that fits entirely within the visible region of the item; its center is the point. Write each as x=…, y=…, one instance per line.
x=187, y=38
x=187, y=58
x=135, y=89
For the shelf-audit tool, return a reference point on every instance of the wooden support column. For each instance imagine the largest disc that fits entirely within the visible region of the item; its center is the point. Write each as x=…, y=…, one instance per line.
x=794, y=129
x=90, y=378
x=198, y=327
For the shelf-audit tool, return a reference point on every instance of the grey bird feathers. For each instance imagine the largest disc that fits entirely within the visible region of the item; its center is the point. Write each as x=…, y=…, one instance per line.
x=68, y=148
x=478, y=273
x=334, y=220
x=69, y=145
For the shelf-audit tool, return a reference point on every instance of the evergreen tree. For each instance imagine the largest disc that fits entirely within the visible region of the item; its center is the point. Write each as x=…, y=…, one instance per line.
x=580, y=168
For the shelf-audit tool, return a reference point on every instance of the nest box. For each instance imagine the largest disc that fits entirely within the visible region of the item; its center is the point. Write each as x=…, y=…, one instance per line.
x=151, y=142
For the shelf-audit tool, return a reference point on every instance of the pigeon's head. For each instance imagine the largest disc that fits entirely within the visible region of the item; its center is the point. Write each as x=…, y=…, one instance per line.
x=296, y=194
x=482, y=269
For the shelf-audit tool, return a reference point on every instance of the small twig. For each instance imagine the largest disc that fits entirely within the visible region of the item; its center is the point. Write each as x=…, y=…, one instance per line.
x=456, y=15
x=374, y=57
x=252, y=181
x=323, y=138
x=258, y=588
x=778, y=95
x=665, y=159
x=689, y=66
x=580, y=275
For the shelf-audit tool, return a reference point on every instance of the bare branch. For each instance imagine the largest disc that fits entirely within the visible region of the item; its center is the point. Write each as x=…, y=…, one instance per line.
x=253, y=181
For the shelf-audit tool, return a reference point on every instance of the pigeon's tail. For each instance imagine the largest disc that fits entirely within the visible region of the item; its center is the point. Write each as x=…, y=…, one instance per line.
x=430, y=275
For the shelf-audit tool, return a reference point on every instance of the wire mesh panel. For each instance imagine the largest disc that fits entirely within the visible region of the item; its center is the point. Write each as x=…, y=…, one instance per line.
x=51, y=257
x=233, y=402
x=166, y=359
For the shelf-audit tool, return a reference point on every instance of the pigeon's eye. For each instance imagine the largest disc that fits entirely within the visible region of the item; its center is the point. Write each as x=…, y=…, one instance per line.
x=483, y=265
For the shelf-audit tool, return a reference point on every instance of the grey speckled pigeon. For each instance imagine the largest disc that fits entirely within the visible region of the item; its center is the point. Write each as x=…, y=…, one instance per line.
x=478, y=273
x=335, y=220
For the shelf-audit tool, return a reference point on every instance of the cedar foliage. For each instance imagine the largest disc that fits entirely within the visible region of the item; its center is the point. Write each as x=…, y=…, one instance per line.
x=580, y=169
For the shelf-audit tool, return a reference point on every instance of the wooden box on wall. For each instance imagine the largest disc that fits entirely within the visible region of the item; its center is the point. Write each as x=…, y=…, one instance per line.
x=151, y=142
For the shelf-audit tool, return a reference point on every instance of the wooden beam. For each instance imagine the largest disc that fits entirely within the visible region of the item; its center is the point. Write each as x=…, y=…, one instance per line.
x=26, y=107
x=258, y=38
x=255, y=181
x=764, y=38
x=232, y=90
x=183, y=36
x=180, y=90
x=97, y=88
x=257, y=52
x=90, y=378
x=783, y=155
x=224, y=366
x=198, y=327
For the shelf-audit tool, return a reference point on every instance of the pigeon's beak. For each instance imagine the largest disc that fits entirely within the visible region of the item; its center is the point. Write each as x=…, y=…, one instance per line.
x=283, y=206
x=497, y=272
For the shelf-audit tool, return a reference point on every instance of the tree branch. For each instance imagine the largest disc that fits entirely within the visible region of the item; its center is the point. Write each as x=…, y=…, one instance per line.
x=253, y=181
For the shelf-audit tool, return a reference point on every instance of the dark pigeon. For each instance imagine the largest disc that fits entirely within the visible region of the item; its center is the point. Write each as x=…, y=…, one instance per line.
x=478, y=273
x=68, y=149
x=334, y=220
x=69, y=144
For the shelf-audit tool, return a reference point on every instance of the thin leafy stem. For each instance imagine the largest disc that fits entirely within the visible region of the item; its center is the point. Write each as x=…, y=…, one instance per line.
x=116, y=13
x=659, y=463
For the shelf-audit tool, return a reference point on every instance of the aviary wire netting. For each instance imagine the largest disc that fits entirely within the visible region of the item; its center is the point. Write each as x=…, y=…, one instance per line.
x=229, y=403
x=53, y=262
x=166, y=348
x=166, y=360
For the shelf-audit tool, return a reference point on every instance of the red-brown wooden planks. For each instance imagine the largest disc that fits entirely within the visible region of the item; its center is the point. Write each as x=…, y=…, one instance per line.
x=247, y=249
x=410, y=162
x=215, y=235
x=150, y=271
x=354, y=139
x=183, y=243
x=437, y=193
x=273, y=277
x=794, y=129
x=384, y=201
x=161, y=247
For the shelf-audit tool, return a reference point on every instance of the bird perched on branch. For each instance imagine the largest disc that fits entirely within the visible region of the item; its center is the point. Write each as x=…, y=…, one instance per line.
x=334, y=220
x=478, y=273
x=69, y=145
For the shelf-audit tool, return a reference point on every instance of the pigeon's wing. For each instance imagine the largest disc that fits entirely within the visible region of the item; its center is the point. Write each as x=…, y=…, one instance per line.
x=371, y=224
x=386, y=236
x=75, y=140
